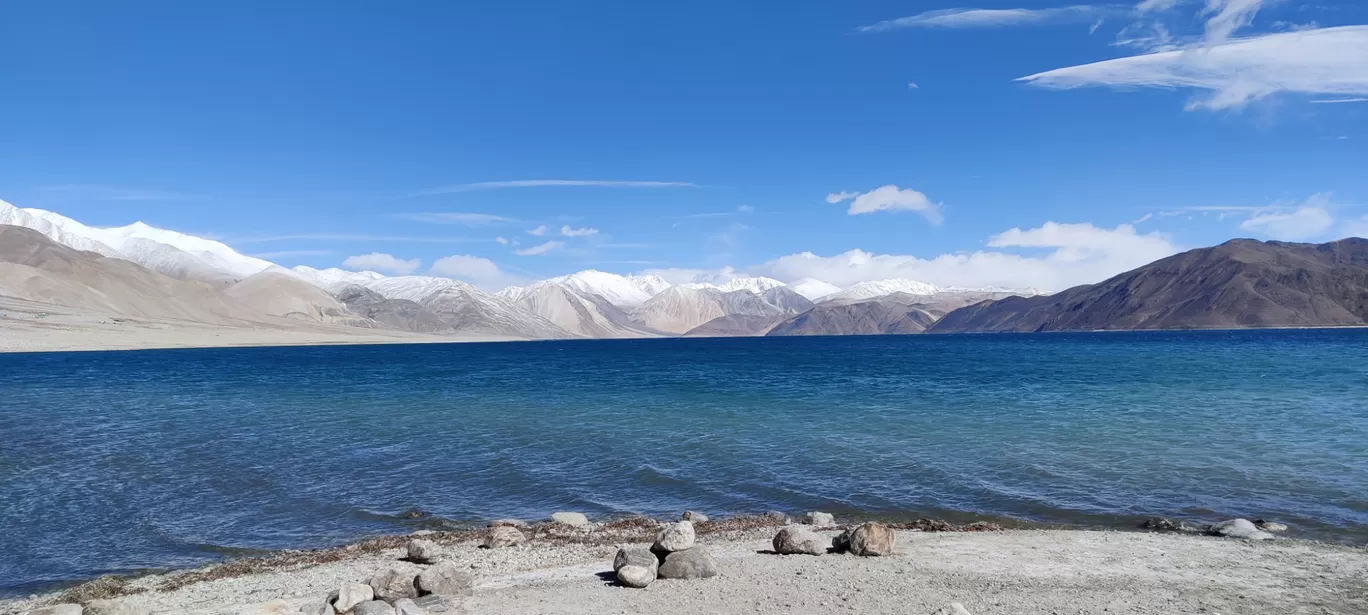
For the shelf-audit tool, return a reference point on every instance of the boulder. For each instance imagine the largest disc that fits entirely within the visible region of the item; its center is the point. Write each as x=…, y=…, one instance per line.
x=373, y=607
x=114, y=607
x=1165, y=524
x=954, y=608
x=692, y=563
x=1238, y=528
x=507, y=522
x=797, y=540
x=317, y=608
x=841, y=542
x=693, y=517
x=501, y=536
x=445, y=578
x=871, y=539
x=1270, y=526
x=819, y=519
x=635, y=567
x=393, y=584
x=274, y=607
x=674, y=537
x=56, y=609
x=438, y=604
x=352, y=594
x=408, y=607
x=423, y=551
x=572, y=519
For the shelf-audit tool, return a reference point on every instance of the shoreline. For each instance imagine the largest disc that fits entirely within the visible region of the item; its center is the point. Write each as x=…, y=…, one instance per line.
x=1035, y=571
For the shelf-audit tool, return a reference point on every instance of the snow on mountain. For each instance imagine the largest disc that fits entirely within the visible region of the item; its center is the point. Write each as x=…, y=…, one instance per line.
x=169, y=252
x=756, y=285
x=333, y=279
x=470, y=310
x=624, y=291
x=881, y=288
x=814, y=289
x=413, y=287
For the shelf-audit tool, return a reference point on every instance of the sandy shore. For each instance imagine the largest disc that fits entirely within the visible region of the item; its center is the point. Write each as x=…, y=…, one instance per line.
x=39, y=327
x=1015, y=572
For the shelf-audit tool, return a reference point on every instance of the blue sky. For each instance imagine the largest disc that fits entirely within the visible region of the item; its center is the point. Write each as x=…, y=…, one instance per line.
x=696, y=138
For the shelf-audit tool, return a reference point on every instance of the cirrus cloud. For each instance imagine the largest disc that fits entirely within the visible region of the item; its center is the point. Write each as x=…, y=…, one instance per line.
x=540, y=249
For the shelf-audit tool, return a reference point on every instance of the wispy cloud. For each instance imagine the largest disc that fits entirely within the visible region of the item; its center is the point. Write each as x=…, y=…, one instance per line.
x=568, y=231
x=93, y=192
x=539, y=249
x=376, y=261
x=740, y=210
x=1338, y=101
x=1330, y=61
x=290, y=254
x=537, y=232
x=346, y=237
x=996, y=18
x=627, y=246
x=1227, y=16
x=543, y=183
x=464, y=218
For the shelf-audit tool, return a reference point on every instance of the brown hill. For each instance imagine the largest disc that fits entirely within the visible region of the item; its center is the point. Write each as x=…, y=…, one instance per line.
x=1238, y=284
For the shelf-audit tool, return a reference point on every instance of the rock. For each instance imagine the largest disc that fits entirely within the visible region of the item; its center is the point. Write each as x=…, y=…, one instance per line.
x=796, y=540
x=635, y=567
x=501, y=536
x=693, y=517
x=317, y=608
x=408, y=607
x=777, y=517
x=445, y=578
x=507, y=522
x=1238, y=528
x=692, y=563
x=373, y=607
x=274, y=607
x=1270, y=526
x=393, y=584
x=114, y=607
x=423, y=551
x=841, y=542
x=872, y=539
x=954, y=608
x=674, y=537
x=819, y=519
x=572, y=519
x=352, y=594
x=438, y=604
x=57, y=609
x=422, y=533
x=1165, y=524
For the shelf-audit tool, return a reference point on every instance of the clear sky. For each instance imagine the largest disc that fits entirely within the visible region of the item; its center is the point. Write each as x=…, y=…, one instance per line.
x=841, y=140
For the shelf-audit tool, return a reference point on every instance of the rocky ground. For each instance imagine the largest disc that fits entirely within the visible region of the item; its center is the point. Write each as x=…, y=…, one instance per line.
x=564, y=569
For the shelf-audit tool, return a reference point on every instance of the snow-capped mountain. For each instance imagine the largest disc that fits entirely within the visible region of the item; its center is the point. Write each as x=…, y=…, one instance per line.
x=579, y=313
x=881, y=288
x=168, y=252
x=471, y=310
x=334, y=279
x=813, y=288
x=624, y=291
x=756, y=285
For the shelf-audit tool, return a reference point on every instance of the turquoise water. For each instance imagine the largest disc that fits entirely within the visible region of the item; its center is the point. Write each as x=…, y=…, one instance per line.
x=117, y=461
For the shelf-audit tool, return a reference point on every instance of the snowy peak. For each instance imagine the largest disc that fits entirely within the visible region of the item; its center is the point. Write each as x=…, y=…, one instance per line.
x=757, y=285
x=881, y=288
x=624, y=291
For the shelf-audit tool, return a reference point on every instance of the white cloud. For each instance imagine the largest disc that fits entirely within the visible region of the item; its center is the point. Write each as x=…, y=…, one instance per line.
x=1356, y=228
x=744, y=209
x=1338, y=101
x=1079, y=254
x=1227, y=16
x=578, y=232
x=992, y=18
x=889, y=198
x=1150, y=6
x=474, y=269
x=542, y=183
x=539, y=249
x=912, y=85
x=538, y=232
x=1301, y=224
x=503, y=241
x=1144, y=218
x=375, y=261
x=1326, y=61
x=466, y=218
x=290, y=254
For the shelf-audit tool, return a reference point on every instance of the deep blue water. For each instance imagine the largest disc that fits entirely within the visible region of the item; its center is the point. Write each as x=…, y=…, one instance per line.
x=116, y=461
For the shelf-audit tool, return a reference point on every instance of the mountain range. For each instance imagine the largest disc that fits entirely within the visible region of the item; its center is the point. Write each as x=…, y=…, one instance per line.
x=142, y=271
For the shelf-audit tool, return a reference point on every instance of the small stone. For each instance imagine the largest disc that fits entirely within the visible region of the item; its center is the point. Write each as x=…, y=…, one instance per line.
x=674, y=537
x=798, y=540
x=445, y=578
x=423, y=551
x=819, y=519
x=352, y=594
x=692, y=563
x=373, y=607
x=572, y=519
x=114, y=607
x=1165, y=524
x=503, y=536
x=635, y=567
x=317, y=608
x=1270, y=526
x=393, y=584
x=954, y=608
x=57, y=609
x=408, y=607
x=507, y=522
x=274, y=607
x=1239, y=528
x=870, y=539
x=693, y=517
x=438, y=604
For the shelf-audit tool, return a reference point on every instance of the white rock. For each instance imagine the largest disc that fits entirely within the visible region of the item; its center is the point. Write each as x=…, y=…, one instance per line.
x=819, y=519
x=352, y=594
x=1239, y=528
x=445, y=578
x=502, y=536
x=572, y=519
x=1270, y=526
x=695, y=517
x=274, y=607
x=114, y=607
x=317, y=608
x=408, y=607
x=423, y=551
x=675, y=537
x=373, y=607
x=393, y=584
x=57, y=609
x=798, y=539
